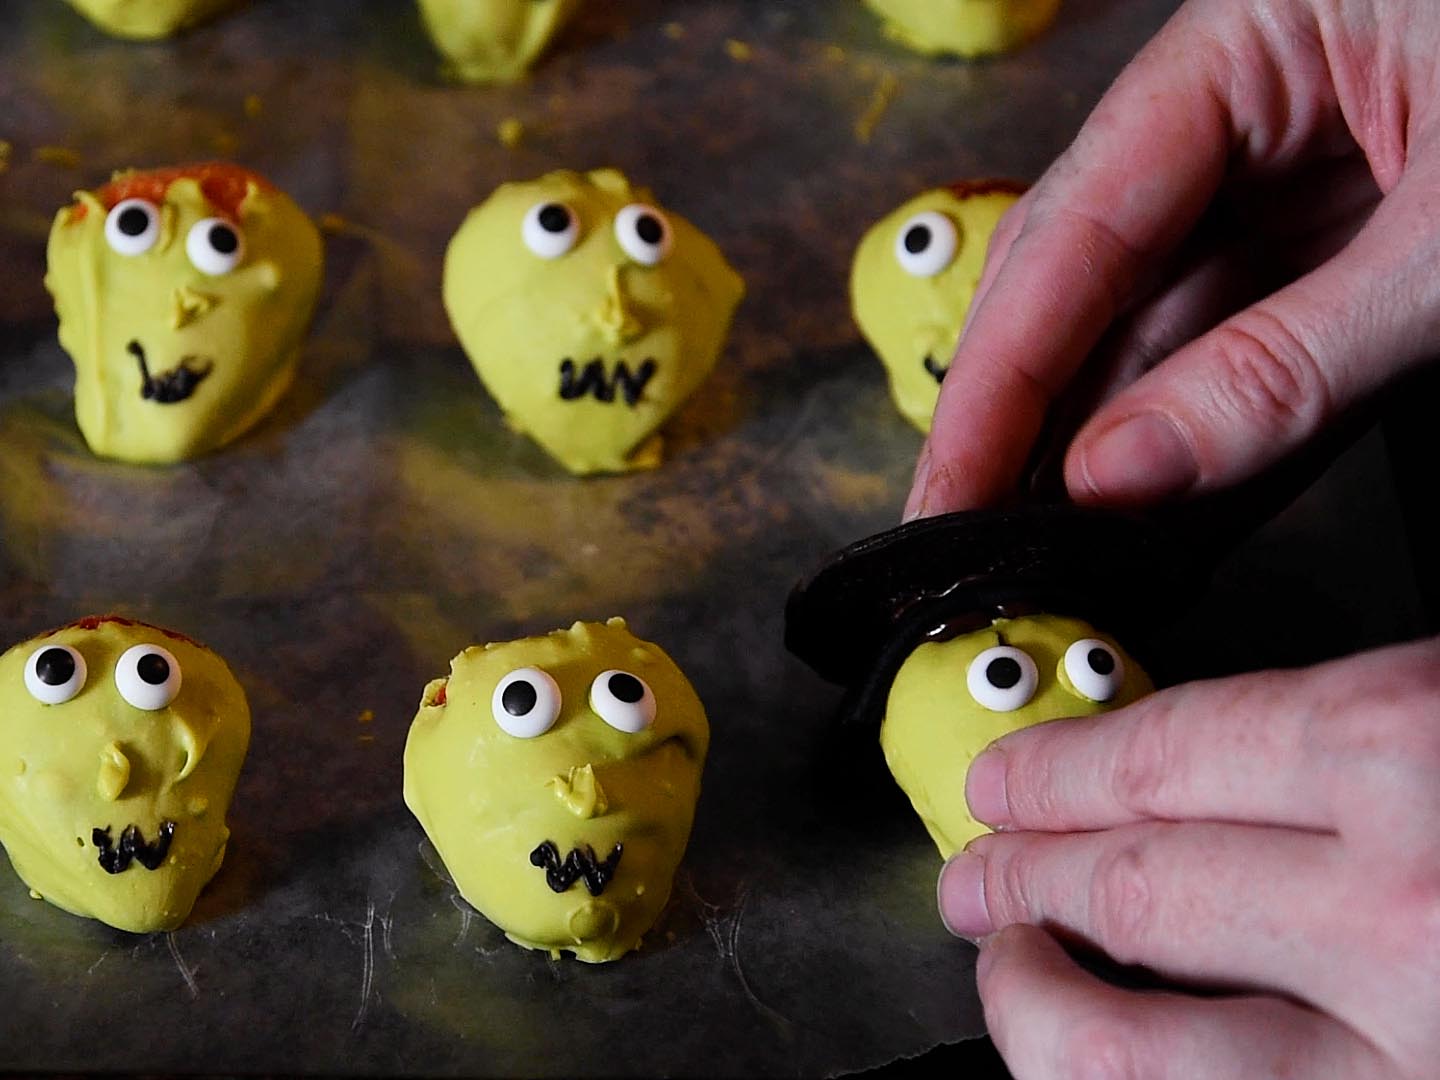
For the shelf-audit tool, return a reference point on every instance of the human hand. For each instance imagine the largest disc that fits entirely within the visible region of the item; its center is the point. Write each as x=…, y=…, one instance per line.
x=1251, y=142
x=1276, y=835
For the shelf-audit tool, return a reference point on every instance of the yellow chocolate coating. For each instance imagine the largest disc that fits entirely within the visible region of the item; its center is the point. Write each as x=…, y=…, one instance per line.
x=97, y=762
x=146, y=20
x=520, y=317
x=488, y=799
x=933, y=728
x=967, y=28
x=909, y=319
x=494, y=40
x=247, y=325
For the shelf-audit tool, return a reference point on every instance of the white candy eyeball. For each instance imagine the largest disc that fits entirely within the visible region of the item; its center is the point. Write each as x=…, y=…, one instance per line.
x=927, y=243
x=132, y=227
x=1002, y=678
x=1095, y=669
x=623, y=701
x=54, y=674
x=550, y=229
x=644, y=233
x=215, y=246
x=526, y=703
x=147, y=676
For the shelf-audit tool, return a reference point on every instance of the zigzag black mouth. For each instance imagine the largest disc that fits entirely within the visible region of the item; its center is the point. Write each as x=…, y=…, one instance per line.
x=171, y=386
x=594, y=381
x=133, y=848
x=580, y=863
x=936, y=371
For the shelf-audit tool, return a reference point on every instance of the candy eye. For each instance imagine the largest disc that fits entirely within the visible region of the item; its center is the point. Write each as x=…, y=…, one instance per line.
x=927, y=244
x=526, y=703
x=215, y=246
x=1002, y=678
x=550, y=229
x=147, y=676
x=622, y=701
x=1095, y=669
x=644, y=234
x=54, y=674
x=132, y=227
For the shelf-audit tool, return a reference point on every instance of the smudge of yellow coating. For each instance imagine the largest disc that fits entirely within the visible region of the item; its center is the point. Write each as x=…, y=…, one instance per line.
x=253, y=106
x=885, y=91
x=60, y=156
x=510, y=132
x=835, y=54
x=674, y=31
x=739, y=51
x=366, y=716
x=5, y=151
x=224, y=144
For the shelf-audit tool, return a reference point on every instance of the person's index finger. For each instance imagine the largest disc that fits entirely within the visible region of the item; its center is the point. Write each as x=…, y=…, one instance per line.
x=1142, y=170
x=1239, y=750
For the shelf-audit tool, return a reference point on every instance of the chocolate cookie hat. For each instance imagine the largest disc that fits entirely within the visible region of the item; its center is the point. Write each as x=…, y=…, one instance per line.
x=857, y=617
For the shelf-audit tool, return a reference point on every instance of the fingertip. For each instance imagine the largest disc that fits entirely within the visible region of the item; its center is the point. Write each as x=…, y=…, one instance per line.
x=919, y=486
x=960, y=897
x=1141, y=458
x=985, y=789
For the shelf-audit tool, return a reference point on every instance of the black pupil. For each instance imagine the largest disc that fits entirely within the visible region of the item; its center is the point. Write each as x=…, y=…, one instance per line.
x=224, y=240
x=1003, y=672
x=55, y=667
x=626, y=688
x=554, y=218
x=153, y=669
x=133, y=221
x=917, y=239
x=519, y=698
x=649, y=229
x=1101, y=662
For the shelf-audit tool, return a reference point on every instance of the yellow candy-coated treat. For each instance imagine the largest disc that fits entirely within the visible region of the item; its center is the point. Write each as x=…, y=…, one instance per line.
x=967, y=28
x=184, y=295
x=148, y=19
x=557, y=777
x=589, y=313
x=951, y=699
x=120, y=745
x=494, y=40
x=914, y=276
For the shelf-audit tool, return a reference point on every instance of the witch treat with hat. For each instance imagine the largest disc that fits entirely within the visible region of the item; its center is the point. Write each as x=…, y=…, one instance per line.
x=949, y=632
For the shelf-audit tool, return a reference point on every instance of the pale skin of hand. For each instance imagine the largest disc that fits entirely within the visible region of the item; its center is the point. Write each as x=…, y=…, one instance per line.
x=1276, y=834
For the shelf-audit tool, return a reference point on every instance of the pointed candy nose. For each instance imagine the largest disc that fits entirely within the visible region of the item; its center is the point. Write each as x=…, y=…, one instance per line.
x=616, y=316
x=580, y=792
x=189, y=305
x=114, y=773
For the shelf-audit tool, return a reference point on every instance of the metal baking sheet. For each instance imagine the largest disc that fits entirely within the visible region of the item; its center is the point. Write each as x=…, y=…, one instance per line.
x=384, y=518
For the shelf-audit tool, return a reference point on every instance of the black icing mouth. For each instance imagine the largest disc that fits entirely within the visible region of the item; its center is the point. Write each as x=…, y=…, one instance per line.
x=133, y=848
x=171, y=386
x=580, y=863
x=593, y=380
x=937, y=371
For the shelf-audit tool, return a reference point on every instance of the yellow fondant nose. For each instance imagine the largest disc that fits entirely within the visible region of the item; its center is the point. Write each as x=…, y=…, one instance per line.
x=580, y=792
x=616, y=316
x=114, y=773
x=190, y=305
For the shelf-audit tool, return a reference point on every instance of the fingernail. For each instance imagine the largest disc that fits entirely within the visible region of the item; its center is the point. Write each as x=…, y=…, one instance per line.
x=960, y=893
x=915, y=504
x=1141, y=458
x=985, y=789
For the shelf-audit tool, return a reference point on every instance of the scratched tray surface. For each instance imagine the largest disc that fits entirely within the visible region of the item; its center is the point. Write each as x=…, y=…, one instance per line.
x=384, y=518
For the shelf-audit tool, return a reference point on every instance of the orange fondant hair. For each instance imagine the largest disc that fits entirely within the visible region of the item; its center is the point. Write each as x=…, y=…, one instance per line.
x=223, y=185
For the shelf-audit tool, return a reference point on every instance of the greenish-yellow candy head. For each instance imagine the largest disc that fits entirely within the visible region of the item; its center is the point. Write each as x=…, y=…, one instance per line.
x=589, y=313
x=912, y=281
x=494, y=40
x=557, y=777
x=966, y=28
x=148, y=19
x=120, y=746
x=183, y=296
x=952, y=698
